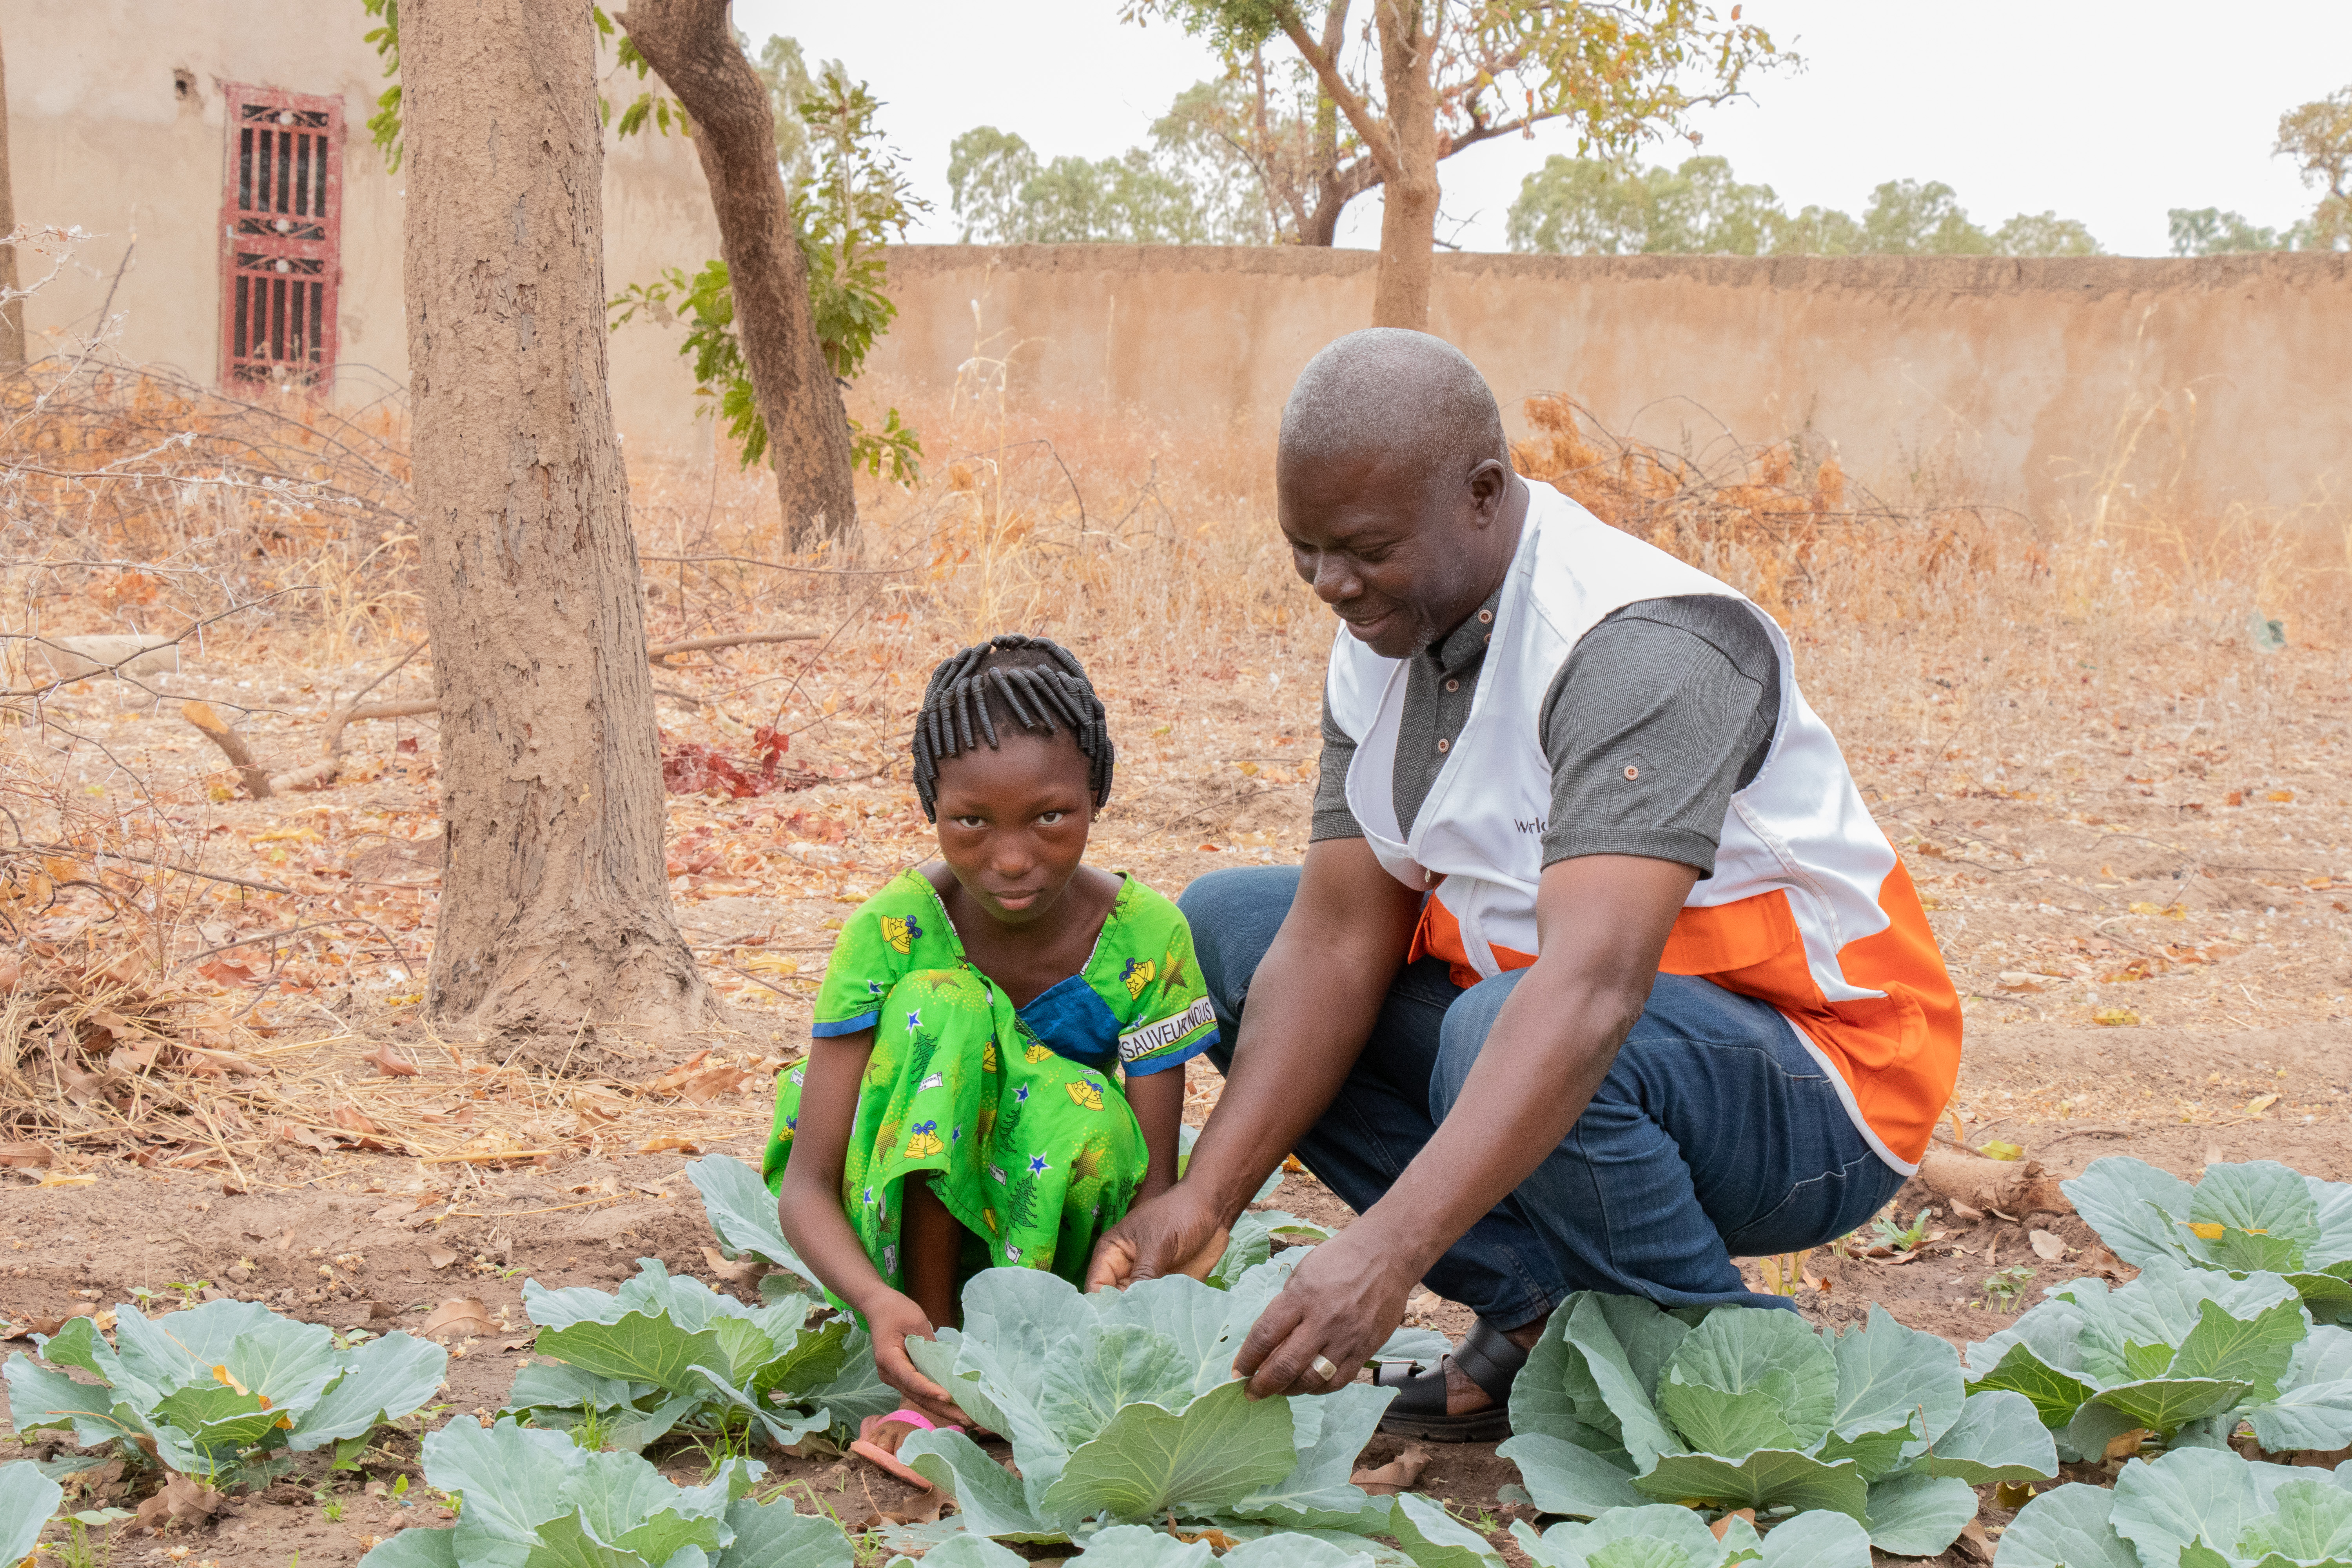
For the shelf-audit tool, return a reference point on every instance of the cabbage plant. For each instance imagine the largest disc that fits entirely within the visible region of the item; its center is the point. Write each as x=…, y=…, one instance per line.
x=27, y=1501
x=529, y=1499
x=1653, y=1535
x=2186, y=1354
x=667, y=1353
x=1140, y=1546
x=1623, y=1404
x=1121, y=1407
x=742, y=1215
x=2257, y=1217
x=223, y=1391
x=2192, y=1508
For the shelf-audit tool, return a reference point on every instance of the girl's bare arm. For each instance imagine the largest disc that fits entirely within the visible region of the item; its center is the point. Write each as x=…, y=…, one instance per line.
x=1157, y=1100
x=808, y=1207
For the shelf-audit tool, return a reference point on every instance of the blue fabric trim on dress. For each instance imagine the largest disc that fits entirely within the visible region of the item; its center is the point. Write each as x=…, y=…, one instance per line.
x=1151, y=1064
x=845, y=1027
x=1072, y=1019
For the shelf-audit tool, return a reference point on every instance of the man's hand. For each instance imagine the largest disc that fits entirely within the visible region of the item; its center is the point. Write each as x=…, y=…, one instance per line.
x=893, y=1319
x=1179, y=1232
x=1346, y=1298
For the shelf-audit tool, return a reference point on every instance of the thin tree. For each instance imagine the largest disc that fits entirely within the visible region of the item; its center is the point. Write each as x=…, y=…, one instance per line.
x=691, y=44
x=554, y=909
x=1445, y=75
x=12, y=310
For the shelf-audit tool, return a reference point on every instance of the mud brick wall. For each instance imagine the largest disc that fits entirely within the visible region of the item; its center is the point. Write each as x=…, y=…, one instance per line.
x=2193, y=384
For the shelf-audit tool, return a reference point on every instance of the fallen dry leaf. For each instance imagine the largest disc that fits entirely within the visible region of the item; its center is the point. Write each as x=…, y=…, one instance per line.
x=2047, y=1247
x=391, y=1063
x=669, y=1143
x=399, y=1208
x=745, y=1271
x=46, y=1327
x=2012, y=1494
x=54, y=1178
x=923, y=1508
x=27, y=1156
x=2126, y=1445
x=1720, y=1525
x=198, y=1057
x=349, y=1119
x=1974, y=1543
x=2261, y=1103
x=182, y=1498
x=1398, y=1474
x=705, y=1087
x=440, y=1257
x=1215, y=1537
x=463, y=1314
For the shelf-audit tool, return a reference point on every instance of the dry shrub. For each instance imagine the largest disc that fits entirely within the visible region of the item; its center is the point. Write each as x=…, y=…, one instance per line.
x=136, y=499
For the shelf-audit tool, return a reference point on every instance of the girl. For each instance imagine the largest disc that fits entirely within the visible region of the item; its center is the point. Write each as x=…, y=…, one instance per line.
x=962, y=1104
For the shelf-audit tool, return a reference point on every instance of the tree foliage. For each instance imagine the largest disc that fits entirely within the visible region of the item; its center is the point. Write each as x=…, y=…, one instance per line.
x=1612, y=207
x=647, y=107
x=1624, y=73
x=2318, y=136
x=853, y=202
x=1440, y=76
x=1189, y=186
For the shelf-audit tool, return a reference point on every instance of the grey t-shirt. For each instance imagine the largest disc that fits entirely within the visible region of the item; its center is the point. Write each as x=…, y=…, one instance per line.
x=1684, y=690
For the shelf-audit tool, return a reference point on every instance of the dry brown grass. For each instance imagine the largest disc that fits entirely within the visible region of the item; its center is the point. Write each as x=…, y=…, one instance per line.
x=2085, y=675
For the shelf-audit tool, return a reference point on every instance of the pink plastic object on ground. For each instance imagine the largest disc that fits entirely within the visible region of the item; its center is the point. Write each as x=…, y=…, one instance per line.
x=865, y=1446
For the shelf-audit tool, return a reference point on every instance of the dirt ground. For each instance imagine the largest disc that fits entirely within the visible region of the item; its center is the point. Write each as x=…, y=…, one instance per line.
x=2134, y=851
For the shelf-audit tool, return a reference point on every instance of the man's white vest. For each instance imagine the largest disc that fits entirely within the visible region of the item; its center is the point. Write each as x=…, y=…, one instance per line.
x=1809, y=906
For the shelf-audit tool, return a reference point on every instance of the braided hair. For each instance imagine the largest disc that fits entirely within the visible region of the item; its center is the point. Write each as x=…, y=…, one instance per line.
x=1033, y=682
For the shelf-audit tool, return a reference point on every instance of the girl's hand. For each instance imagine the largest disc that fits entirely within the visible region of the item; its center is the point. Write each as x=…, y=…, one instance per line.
x=894, y=1319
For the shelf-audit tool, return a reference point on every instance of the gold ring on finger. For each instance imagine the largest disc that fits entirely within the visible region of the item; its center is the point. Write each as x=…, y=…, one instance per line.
x=1323, y=1368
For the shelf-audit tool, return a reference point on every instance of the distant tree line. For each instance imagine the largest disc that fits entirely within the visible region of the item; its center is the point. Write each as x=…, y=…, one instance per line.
x=2318, y=137
x=1250, y=160
x=1610, y=208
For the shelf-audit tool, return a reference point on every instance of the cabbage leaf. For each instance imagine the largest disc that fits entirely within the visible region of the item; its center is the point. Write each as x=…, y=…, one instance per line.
x=2191, y=1508
x=224, y=1390
x=1121, y=1407
x=666, y=1353
x=1624, y=1404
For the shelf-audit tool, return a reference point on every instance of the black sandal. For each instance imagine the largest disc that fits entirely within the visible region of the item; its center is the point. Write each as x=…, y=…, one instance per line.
x=1487, y=1358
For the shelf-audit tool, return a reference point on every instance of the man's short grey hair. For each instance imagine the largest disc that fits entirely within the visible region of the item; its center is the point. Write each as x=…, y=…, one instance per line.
x=1407, y=396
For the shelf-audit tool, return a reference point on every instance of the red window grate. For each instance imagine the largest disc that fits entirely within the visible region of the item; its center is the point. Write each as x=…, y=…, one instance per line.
x=280, y=220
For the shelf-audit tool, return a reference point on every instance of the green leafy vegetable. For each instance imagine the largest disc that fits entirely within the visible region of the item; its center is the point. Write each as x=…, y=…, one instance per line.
x=742, y=1213
x=2192, y=1508
x=534, y=1500
x=219, y=1389
x=2187, y=1353
x=665, y=1353
x=1663, y=1536
x=1121, y=1406
x=1623, y=1405
x=2256, y=1217
x=27, y=1498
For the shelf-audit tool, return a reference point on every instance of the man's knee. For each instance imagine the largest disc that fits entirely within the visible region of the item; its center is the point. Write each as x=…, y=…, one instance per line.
x=1463, y=1035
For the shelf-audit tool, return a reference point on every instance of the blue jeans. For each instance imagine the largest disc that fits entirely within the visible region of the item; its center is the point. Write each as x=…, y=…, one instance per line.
x=1715, y=1133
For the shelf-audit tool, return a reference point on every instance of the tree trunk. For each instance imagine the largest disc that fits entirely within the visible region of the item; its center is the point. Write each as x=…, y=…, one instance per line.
x=554, y=909
x=691, y=44
x=12, y=314
x=1409, y=195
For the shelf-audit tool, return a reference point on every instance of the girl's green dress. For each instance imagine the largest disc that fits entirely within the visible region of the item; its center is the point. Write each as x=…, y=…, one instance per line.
x=1014, y=1115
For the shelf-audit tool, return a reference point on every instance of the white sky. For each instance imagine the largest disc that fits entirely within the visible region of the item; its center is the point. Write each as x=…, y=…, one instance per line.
x=2107, y=111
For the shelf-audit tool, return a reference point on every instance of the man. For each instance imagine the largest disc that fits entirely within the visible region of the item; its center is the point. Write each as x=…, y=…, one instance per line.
x=1598, y=972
